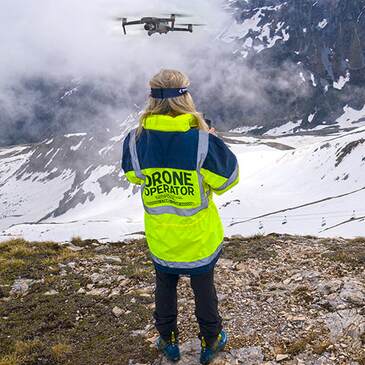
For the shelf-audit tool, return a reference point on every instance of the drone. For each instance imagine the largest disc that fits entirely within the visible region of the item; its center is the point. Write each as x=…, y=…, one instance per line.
x=159, y=25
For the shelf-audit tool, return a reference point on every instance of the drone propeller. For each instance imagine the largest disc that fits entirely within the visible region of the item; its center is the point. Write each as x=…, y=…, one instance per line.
x=177, y=15
x=195, y=25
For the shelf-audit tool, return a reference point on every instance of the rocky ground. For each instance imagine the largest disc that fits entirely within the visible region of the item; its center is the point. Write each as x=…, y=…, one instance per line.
x=284, y=299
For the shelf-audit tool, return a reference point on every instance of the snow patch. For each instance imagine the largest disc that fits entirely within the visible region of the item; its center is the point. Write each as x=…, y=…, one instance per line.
x=342, y=81
x=76, y=147
x=322, y=24
x=75, y=135
x=287, y=128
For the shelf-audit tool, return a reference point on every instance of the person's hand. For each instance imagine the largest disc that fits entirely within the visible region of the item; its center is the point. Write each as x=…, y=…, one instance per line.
x=213, y=131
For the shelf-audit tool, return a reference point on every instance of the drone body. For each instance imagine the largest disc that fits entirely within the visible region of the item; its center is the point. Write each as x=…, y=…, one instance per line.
x=159, y=25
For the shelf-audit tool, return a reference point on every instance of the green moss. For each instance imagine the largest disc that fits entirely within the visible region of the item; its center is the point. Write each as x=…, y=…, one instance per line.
x=256, y=247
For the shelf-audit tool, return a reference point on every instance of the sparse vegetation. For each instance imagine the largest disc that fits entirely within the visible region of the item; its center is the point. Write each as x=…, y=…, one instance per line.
x=66, y=313
x=351, y=253
x=257, y=246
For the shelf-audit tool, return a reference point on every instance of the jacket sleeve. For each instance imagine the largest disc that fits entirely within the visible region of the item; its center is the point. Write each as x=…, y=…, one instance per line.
x=127, y=165
x=220, y=168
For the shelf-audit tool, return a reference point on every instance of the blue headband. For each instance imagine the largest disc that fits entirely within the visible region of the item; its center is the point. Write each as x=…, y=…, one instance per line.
x=168, y=93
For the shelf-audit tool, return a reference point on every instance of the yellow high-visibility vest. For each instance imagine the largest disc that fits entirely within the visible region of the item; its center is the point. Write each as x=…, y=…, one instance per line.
x=179, y=167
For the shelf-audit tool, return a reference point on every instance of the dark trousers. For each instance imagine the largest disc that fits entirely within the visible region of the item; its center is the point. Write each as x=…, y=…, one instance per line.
x=206, y=305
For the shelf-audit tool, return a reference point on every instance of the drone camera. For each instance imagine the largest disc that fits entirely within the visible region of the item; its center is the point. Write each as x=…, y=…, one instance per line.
x=149, y=26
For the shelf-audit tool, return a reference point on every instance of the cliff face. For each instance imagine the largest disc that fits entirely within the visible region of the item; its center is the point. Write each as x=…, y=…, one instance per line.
x=322, y=41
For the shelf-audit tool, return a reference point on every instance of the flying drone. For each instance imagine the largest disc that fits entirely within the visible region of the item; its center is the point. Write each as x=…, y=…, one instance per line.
x=159, y=25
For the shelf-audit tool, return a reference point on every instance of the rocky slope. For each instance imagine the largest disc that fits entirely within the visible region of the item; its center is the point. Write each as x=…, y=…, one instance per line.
x=284, y=299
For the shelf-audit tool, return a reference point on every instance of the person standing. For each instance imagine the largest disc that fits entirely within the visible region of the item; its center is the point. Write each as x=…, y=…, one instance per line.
x=179, y=162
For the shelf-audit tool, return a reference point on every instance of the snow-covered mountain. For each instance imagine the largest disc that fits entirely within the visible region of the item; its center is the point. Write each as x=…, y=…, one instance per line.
x=300, y=143
x=296, y=183
x=314, y=49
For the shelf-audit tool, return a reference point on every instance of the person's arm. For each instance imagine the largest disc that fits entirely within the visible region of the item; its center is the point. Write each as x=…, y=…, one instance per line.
x=127, y=165
x=220, y=168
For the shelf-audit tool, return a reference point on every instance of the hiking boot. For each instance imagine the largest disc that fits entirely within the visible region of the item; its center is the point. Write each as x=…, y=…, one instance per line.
x=169, y=348
x=208, y=353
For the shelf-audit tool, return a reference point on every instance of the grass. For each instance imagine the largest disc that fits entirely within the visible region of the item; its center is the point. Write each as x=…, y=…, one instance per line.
x=352, y=252
x=38, y=329
x=302, y=293
x=312, y=340
x=255, y=247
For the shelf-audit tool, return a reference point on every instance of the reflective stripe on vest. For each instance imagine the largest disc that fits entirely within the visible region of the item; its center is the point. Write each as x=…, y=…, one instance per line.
x=203, y=143
x=188, y=265
x=134, y=155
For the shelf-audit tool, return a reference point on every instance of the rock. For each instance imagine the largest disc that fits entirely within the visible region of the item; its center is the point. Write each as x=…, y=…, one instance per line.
x=343, y=294
x=138, y=333
x=295, y=318
x=297, y=277
x=275, y=286
x=346, y=321
x=71, y=265
x=226, y=263
x=241, y=267
x=117, y=311
x=143, y=292
x=21, y=286
x=353, y=292
x=101, y=248
x=81, y=291
x=329, y=287
x=51, y=292
x=124, y=282
x=96, y=277
x=280, y=357
x=324, y=360
x=115, y=292
x=248, y=355
x=113, y=259
x=74, y=248
x=102, y=292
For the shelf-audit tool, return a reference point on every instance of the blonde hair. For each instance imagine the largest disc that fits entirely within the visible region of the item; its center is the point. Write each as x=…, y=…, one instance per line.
x=183, y=104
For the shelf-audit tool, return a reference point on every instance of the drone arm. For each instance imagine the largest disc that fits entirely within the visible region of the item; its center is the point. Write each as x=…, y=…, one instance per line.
x=134, y=22
x=182, y=29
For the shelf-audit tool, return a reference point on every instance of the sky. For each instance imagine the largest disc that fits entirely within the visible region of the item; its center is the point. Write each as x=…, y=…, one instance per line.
x=77, y=37
x=64, y=40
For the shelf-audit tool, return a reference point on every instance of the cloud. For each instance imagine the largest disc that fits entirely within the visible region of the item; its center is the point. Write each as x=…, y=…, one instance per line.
x=65, y=39
x=77, y=37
